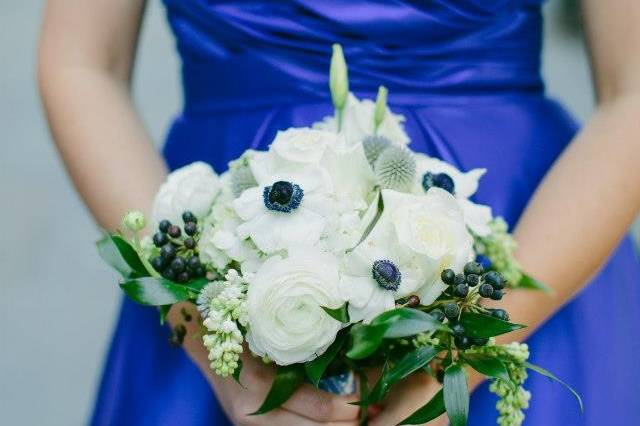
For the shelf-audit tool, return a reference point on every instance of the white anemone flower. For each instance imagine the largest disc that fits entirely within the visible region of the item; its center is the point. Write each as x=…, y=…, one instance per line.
x=289, y=207
x=463, y=186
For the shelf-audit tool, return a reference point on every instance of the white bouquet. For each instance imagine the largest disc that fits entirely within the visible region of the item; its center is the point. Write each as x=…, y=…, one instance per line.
x=338, y=248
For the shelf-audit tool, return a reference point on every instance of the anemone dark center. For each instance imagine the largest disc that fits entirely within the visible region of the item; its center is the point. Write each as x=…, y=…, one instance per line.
x=439, y=180
x=282, y=196
x=386, y=274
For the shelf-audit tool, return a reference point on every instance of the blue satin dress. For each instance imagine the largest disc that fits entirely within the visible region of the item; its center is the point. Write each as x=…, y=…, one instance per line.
x=466, y=75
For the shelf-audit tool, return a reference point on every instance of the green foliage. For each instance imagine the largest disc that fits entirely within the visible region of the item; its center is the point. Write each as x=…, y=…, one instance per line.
x=550, y=375
x=340, y=314
x=456, y=395
x=288, y=379
x=155, y=291
x=316, y=368
x=482, y=326
x=488, y=365
x=121, y=256
x=408, y=364
x=429, y=411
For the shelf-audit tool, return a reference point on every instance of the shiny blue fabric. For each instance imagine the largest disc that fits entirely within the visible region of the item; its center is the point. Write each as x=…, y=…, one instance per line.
x=466, y=76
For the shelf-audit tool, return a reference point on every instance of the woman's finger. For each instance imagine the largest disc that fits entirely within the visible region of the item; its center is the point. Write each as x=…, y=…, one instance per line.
x=322, y=406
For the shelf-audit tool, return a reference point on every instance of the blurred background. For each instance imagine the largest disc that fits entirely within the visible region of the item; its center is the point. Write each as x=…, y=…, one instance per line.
x=58, y=302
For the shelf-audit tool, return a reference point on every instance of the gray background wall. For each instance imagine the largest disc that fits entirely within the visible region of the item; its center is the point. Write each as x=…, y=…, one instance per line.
x=57, y=300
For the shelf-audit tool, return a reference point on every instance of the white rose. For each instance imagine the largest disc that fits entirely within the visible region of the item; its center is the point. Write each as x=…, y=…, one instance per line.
x=301, y=145
x=284, y=303
x=191, y=188
x=477, y=216
x=431, y=226
x=358, y=122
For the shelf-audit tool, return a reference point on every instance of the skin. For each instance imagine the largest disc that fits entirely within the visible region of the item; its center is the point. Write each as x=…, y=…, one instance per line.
x=86, y=55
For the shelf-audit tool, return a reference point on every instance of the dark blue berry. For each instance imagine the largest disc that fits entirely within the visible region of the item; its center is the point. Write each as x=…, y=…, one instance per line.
x=190, y=228
x=462, y=342
x=459, y=279
x=178, y=265
x=157, y=263
x=386, y=274
x=174, y=231
x=444, y=181
x=193, y=263
x=198, y=272
x=167, y=252
x=485, y=290
x=164, y=225
x=437, y=315
x=497, y=295
x=169, y=274
x=451, y=310
x=473, y=268
x=189, y=217
x=182, y=277
x=500, y=314
x=461, y=290
x=448, y=276
x=457, y=329
x=495, y=279
x=473, y=280
x=160, y=239
x=190, y=243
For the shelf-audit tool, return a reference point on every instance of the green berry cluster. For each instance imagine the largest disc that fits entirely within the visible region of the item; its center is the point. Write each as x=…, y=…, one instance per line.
x=178, y=259
x=499, y=247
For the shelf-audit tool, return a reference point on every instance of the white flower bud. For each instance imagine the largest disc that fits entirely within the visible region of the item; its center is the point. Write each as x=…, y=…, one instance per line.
x=338, y=78
x=134, y=220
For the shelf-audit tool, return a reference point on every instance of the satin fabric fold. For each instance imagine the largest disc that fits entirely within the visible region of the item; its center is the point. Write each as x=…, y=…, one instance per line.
x=465, y=74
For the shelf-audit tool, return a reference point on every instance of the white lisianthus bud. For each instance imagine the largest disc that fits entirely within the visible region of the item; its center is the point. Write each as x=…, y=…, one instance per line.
x=134, y=220
x=338, y=78
x=381, y=107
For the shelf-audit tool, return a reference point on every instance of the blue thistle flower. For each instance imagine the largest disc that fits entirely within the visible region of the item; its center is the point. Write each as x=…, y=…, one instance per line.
x=395, y=169
x=373, y=146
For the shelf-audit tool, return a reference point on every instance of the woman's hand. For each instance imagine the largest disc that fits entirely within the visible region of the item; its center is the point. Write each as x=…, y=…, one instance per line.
x=307, y=407
x=405, y=398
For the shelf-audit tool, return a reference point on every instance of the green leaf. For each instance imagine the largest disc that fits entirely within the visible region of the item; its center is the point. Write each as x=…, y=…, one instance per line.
x=374, y=220
x=119, y=254
x=341, y=314
x=411, y=362
x=365, y=339
x=237, y=371
x=427, y=412
x=530, y=283
x=552, y=376
x=456, y=395
x=482, y=326
x=405, y=322
x=164, y=311
x=155, y=291
x=489, y=366
x=287, y=380
x=196, y=285
x=316, y=368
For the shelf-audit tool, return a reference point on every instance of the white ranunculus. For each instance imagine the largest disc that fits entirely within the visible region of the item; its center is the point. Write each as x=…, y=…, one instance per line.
x=191, y=188
x=432, y=227
x=477, y=216
x=358, y=122
x=284, y=302
x=301, y=146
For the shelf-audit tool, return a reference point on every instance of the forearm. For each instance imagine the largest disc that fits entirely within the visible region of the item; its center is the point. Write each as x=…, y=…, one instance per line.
x=580, y=212
x=101, y=140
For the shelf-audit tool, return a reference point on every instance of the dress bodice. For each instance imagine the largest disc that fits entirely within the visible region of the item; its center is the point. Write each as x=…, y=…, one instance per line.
x=244, y=52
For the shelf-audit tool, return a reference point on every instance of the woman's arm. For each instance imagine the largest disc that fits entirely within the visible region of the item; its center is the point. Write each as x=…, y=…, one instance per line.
x=86, y=55
x=589, y=198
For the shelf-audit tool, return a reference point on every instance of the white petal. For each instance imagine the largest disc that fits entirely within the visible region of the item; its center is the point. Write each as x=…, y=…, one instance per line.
x=477, y=217
x=249, y=204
